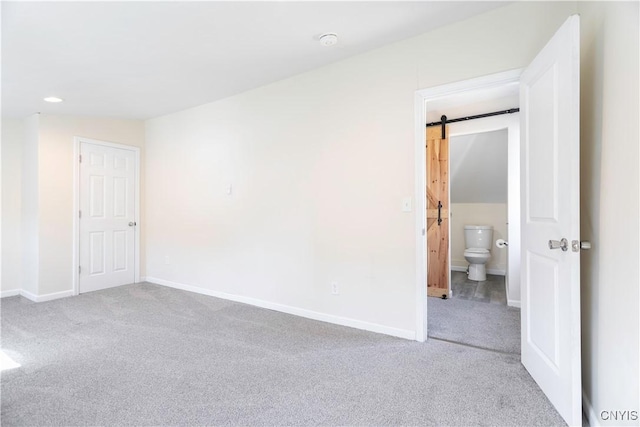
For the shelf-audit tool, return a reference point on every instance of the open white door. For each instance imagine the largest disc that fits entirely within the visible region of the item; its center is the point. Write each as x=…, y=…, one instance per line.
x=550, y=156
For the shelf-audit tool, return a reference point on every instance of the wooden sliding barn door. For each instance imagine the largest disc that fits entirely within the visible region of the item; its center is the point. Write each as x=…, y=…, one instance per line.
x=437, y=212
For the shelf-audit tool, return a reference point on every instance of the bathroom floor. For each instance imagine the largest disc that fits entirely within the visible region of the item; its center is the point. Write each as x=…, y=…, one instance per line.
x=476, y=315
x=492, y=290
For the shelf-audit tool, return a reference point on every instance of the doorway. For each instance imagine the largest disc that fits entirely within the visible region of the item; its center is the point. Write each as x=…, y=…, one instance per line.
x=453, y=98
x=483, y=165
x=507, y=259
x=107, y=202
x=550, y=157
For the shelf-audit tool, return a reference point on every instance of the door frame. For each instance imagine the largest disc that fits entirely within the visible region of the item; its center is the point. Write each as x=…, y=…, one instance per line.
x=422, y=99
x=77, y=140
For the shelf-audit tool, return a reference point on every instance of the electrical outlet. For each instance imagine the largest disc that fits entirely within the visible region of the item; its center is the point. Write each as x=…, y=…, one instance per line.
x=334, y=288
x=166, y=260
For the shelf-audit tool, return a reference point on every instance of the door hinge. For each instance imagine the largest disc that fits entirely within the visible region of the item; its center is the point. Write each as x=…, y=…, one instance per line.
x=80, y=158
x=79, y=214
x=79, y=270
x=423, y=231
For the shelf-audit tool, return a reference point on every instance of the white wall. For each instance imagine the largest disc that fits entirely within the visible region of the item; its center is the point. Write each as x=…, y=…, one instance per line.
x=55, y=180
x=478, y=167
x=46, y=198
x=494, y=214
x=610, y=207
x=12, y=142
x=319, y=164
x=29, y=216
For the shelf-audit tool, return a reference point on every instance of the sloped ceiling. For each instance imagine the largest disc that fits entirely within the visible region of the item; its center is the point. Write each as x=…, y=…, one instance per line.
x=142, y=59
x=478, y=167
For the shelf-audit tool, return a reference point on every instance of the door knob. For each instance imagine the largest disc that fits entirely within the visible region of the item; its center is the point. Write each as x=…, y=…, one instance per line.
x=576, y=245
x=132, y=224
x=559, y=244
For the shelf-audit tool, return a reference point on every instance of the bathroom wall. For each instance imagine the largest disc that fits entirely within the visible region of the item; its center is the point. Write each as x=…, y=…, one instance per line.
x=478, y=170
x=494, y=214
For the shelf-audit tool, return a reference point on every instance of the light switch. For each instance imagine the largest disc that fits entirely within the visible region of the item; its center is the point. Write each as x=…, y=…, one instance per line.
x=406, y=204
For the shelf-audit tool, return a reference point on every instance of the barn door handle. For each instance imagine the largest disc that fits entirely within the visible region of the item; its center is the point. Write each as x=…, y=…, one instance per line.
x=439, y=212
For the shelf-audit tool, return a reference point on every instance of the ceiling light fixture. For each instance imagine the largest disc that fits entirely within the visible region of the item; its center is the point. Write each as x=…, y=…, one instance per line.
x=329, y=39
x=53, y=99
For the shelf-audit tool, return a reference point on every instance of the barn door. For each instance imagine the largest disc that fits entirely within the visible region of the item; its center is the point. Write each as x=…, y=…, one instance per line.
x=437, y=212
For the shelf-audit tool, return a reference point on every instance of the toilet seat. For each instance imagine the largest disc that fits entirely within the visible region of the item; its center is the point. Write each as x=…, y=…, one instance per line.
x=476, y=252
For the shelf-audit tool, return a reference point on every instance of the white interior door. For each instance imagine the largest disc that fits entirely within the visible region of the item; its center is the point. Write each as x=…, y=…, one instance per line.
x=550, y=155
x=107, y=217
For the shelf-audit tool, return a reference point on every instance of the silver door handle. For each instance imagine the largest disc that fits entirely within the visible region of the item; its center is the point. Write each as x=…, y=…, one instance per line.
x=559, y=244
x=577, y=245
x=132, y=224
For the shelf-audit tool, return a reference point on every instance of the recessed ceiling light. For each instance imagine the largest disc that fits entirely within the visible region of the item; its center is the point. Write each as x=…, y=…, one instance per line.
x=53, y=99
x=329, y=39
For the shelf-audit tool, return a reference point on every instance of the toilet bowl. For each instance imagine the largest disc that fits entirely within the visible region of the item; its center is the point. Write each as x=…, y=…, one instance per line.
x=478, y=239
x=477, y=258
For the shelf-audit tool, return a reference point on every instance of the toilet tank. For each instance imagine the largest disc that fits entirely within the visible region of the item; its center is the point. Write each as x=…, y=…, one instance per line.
x=478, y=236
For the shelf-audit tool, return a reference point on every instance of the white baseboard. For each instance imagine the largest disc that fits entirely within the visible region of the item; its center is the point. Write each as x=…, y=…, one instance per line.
x=496, y=271
x=592, y=417
x=46, y=297
x=309, y=314
x=513, y=303
x=29, y=295
x=10, y=293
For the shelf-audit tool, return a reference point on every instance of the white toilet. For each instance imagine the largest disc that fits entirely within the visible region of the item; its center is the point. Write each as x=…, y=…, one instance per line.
x=478, y=240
